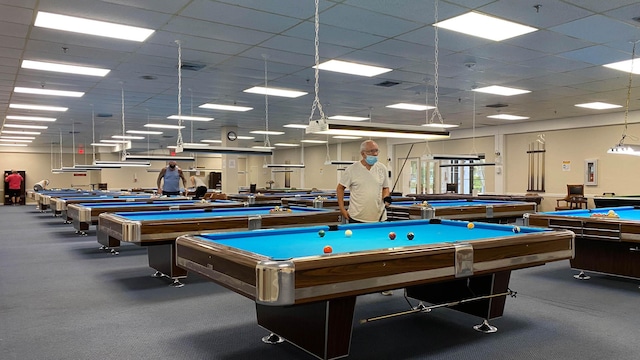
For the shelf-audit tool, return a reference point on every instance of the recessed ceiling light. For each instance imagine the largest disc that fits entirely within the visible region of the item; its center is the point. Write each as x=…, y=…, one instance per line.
x=38, y=91
x=632, y=66
x=17, y=126
x=115, y=141
x=484, y=26
x=352, y=68
x=295, y=126
x=91, y=27
x=190, y=118
x=309, y=141
x=18, y=137
x=348, y=118
x=246, y=137
x=275, y=92
x=286, y=145
x=13, y=144
x=264, y=132
x=64, y=68
x=598, y=106
x=225, y=107
x=21, y=132
x=127, y=137
x=501, y=90
x=29, y=118
x=144, y=132
x=508, y=117
x=414, y=107
x=18, y=141
x=263, y=147
x=347, y=137
x=164, y=126
x=38, y=107
x=440, y=125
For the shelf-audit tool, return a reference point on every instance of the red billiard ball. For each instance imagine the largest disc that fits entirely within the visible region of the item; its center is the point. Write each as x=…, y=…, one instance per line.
x=392, y=235
x=328, y=249
x=410, y=236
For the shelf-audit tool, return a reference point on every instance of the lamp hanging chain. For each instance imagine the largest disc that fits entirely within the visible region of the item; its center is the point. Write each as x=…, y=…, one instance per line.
x=626, y=107
x=436, y=111
x=191, y=93
x=316, y=43
x=124, y=148
x=473, y=132
x=179, y=142
x=93, y=133
x=267, y=143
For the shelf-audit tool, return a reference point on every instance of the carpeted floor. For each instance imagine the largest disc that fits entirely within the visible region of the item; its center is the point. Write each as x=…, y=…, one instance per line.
x=62, y=298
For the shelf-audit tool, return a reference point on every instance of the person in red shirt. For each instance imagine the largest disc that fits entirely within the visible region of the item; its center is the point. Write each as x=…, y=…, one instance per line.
x=15, y=184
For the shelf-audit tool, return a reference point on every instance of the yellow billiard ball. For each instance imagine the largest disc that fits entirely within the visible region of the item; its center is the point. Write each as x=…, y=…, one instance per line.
x=470, y=226
x=348, y=233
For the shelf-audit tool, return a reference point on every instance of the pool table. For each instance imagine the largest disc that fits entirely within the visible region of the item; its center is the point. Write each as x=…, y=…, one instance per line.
x=43, y=198
x=158, y=230
x=607, y=245
x=308, y=297
x=59, y=204
x=453, y=196
x=326, y=201
x=613, y=201
x=271, y=199
x=84, y=214
x=467, y=209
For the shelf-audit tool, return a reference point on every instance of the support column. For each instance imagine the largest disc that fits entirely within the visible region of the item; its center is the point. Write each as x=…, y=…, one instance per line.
x=500, y=186
x=229, y=162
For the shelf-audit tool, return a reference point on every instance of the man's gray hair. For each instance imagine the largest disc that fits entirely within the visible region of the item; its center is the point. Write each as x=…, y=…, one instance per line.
x=363, y=145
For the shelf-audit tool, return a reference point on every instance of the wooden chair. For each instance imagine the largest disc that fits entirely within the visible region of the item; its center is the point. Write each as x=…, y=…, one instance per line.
x=573, y=200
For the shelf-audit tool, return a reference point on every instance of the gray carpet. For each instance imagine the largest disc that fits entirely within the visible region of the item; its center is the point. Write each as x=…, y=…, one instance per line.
x=62, y=298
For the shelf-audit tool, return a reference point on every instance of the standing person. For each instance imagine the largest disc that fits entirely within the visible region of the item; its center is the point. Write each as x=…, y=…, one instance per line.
x=171, y=175
x=41, y=185
x=15, y=186
x=201, y=187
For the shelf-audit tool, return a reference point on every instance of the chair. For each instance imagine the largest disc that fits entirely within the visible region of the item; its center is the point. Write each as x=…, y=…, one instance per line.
x=573, y=200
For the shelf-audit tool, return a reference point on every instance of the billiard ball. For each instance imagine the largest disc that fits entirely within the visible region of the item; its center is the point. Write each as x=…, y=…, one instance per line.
x=410, y=236
x=348, y=233
x=327, y=249
x=516, y=229
x=321, y=233
x=470, y=226
x=392, y=235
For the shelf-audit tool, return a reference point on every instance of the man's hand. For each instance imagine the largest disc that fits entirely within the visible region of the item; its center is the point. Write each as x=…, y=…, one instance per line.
x=387, y=201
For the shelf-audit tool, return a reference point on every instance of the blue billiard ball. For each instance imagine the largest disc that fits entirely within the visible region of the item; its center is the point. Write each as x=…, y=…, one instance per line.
x=516, y=229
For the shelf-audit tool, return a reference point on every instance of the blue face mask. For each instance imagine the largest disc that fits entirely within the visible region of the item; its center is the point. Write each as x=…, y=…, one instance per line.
x=371, y=159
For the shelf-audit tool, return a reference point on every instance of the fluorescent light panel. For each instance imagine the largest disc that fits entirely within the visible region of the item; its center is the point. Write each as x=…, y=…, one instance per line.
x=508, y=117
x=29, y=118
x=225, y=107
x=144, y=132
x=628, y=66
x=226, y=150
x=275, y=92
x=598, y=106
x=309, y=141
x=103, y=144
x=501, y=90
x=347, y=137
x=21, y=132
x=246, y=137
x=14, y=140
x=64, y=68
x=18, y=137
x=440, y=125
x=348, y=118
x=374, y=130
x=283, y=166
x=414, y=107
x=164, y=126
x=263, y=147
x=115, y=141
x=91, y=27
x=38, y=107
x=286, y=145
x=295, y=126
x=37, y=91
x=352, y=68
x=484, y=26
x=159, y=157
x=189, y=118
x=17, y=126
x=212, y=141
x=624, y=149
x=2, y=144
x=127, y=137
x=264, y=132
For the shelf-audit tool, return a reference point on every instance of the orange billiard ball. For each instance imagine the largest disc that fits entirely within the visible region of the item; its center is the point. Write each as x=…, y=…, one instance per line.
x=470, y=226
x=328, y=249
x=392, y=235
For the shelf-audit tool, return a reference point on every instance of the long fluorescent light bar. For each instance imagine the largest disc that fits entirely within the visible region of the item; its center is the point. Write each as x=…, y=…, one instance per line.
x=29, y=118
x=21, y=132
x=187, y=145
x=189, y=118
x=347, y=137
x=628, y=66
x=164, y=126
x=309, y=141
x=18, y=137
x=263, y=147
x=123, y=163
x=286, y=145
x=413, y=107
x=264, y=132
x=340, y=162
x=2, y=144
x=17, y=126
x=275, y=92
x=246, y=137
x=374, y=130
x=295, y=126
x=159, y=157
x=103, y=144
x=624, y=149
x=38, y=107
x=67, y=169
x=226, y=150
x=451, y=157
x=15, y=140
x=501, y=90
x=484, y=26
x=91, y=27
x=598, y=106
x=440, y=125
x=211, y=141
x=283, y=166
x=38, y=91
x=508, y=117
x=347, y=118
x=144, y=132
x=64, y=68
x=225, y=107
x=352, y=68
x=127, y=137
x=115, y=141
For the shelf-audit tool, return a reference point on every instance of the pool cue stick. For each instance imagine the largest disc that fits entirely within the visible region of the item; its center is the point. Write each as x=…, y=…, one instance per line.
x=398, y=178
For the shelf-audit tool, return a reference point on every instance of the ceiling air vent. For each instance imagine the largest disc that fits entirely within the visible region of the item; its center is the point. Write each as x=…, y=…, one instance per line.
x=192, y=66
x=495, y=106
x=387, y=83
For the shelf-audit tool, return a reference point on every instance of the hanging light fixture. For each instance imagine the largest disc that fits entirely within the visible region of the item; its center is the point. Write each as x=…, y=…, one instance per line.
x=62, y=168
x=621, y=148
